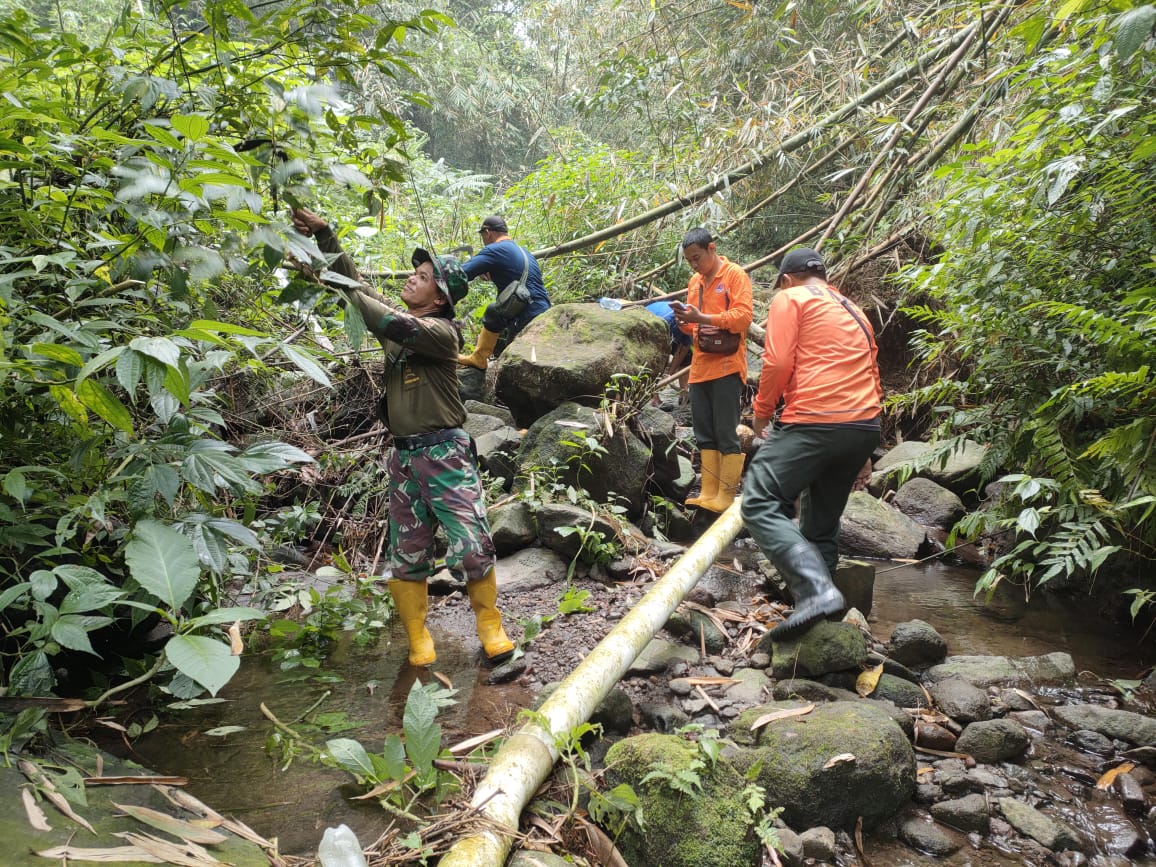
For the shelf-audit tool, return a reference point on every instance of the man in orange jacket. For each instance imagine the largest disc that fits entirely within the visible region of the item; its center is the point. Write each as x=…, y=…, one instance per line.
x=718, y=295
x=820, y=358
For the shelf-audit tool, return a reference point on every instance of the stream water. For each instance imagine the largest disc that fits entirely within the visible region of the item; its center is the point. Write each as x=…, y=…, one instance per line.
x=365, y=688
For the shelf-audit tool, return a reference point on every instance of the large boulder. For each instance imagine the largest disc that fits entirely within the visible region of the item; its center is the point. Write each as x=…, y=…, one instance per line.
x=870, y=528
x=555, y=448
x=830, y=765
x=1026, y=671
x=571, y=351
x=1122, y=725
x=929, y=503
x=957, y=470
x=823, y=648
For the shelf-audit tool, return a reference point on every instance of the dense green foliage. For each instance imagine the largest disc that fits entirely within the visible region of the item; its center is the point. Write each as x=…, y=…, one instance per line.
x=141, y=169
x=1042, y=313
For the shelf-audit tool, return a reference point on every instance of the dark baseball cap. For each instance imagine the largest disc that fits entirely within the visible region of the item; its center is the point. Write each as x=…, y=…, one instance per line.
x=448, y=275
x=495, y=224
x=800, y=259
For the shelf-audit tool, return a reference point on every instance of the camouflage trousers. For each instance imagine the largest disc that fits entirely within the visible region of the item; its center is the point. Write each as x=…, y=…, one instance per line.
x=434, y=486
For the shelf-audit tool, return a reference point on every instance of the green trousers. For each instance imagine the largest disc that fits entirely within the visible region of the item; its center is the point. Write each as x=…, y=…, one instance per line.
x=816, y=464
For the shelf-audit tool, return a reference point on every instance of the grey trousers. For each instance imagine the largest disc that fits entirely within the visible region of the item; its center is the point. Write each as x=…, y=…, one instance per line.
x=815, y=463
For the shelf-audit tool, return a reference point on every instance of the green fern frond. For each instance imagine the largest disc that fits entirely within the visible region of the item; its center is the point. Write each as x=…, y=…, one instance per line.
x=1051, y=453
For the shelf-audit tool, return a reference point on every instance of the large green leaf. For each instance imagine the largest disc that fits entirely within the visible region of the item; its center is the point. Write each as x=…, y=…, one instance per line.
x=105, y=404
x=160, y=348
x=69, y=632
x=210, y=663
x=306, y=363
x=274, y=456
x=351, y=756
x=163, y=562
x=423, y=736
x=1133, y=28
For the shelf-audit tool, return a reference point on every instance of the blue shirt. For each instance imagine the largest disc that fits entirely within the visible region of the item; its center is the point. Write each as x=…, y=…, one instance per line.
x=504, y=263
x=663, y=310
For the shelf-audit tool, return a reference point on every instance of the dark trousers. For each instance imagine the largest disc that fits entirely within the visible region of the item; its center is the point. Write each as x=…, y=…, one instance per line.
x=714, y=412
x=815, y=463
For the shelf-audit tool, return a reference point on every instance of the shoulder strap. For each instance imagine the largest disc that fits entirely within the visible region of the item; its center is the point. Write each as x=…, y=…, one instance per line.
x=847, y=306
x=526, y=261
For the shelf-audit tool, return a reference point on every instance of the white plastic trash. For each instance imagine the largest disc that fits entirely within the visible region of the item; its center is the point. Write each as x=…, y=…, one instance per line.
x=609, y=303
x=340, y=848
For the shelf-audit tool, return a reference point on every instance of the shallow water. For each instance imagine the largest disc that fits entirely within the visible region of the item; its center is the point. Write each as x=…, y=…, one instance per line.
x=236, y=775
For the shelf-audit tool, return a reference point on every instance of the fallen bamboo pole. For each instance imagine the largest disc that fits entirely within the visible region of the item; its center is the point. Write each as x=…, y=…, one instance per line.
x=526, y=759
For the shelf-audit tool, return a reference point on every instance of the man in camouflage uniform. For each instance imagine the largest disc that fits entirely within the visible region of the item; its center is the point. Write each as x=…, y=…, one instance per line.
x=433, y=479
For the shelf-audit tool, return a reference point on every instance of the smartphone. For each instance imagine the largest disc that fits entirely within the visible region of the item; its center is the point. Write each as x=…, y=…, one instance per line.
x=677, y=305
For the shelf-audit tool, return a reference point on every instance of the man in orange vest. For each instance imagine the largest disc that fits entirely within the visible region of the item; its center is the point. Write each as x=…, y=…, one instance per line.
x=820, y=358
x=719, y=298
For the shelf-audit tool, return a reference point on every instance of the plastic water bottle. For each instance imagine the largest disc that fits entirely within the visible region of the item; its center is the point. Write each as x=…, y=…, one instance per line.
x=609, y=303
x=339, y=848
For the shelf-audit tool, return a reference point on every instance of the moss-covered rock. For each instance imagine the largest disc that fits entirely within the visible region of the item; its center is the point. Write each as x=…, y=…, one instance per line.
x=619, y=467
x=710, y=830
x=823, y=648
x=571, y=351
x=799, y=775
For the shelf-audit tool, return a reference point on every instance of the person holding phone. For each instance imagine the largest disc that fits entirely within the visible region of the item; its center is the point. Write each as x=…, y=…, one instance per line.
x=717, y=313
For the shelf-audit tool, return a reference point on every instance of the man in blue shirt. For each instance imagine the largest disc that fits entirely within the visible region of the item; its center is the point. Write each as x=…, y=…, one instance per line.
x=503, y=261
x=680, y=342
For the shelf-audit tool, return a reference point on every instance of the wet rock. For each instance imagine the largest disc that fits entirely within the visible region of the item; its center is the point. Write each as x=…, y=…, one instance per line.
x=985, y=778
x=507, y=671
x=824, y=648
x=1016, y=699
x=892, y=667
x=984, y=671
x=659, y=655
x=1048, y=832
x=1071, y=859
x=960, y=700
x=928, y=793
x=958, y=783
x=615, y=713
x=752, y=687
x=512, y=526
x=477, y=407
x=918, y=833
x=902, y=693
x=1122, y=724
x=967, y=814
x=934, y=737
x=1033, y=720
x=661, y=717
x=871, y=528
x=929, y=503
x=818, y=844
x=687, y=626
x=1088, y=741
x=681, y=686
x=1130, y=793
x=1127, y=841
x=529, y=569
x=917, y=644
x=792, y=843
x=856, y=581
x=993, y=740
x=794, y=754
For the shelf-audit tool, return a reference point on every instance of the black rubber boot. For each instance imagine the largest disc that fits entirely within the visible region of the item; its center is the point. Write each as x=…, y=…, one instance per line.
x=816, y=597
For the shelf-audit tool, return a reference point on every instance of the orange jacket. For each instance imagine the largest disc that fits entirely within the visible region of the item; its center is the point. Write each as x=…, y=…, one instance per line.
x=733, y=282
x=819, y=359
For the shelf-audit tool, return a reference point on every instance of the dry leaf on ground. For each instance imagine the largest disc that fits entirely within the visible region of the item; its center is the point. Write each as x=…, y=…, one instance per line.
x=768, y=718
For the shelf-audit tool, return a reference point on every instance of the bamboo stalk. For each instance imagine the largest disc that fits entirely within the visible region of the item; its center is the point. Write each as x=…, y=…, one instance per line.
x=526, y=759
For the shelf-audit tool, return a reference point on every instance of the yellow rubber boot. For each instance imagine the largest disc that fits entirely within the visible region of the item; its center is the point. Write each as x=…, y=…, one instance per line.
x=730, y=472
x=484, y=600
x=480, y=357
x=412, y=601
x=710, y=477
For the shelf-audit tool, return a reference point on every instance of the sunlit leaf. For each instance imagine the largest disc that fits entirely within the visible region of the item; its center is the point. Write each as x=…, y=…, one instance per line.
x=163, y=562
x=204, y=660
x=868, y=680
